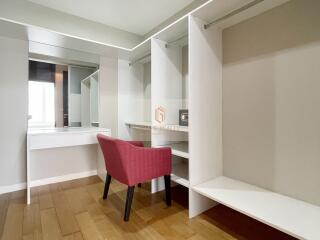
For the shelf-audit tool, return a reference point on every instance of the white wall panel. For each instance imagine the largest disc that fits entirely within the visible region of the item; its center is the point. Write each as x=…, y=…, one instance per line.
x=14, y=110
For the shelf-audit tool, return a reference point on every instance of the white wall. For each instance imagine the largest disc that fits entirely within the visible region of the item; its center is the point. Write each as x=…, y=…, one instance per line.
x=271, y=115
x=55, y=162
x=14, y=110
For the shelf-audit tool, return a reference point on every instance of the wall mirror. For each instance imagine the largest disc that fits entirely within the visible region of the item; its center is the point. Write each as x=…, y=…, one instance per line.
x=62, y=95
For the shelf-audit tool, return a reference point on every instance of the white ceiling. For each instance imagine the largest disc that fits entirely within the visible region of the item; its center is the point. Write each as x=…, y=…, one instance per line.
x=136, y=16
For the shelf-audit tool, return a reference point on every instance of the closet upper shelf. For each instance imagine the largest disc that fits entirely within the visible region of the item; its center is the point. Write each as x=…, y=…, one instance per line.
x=295, y=217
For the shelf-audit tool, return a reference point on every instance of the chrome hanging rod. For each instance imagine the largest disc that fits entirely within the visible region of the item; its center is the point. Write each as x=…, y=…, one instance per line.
x=139, y=59
x=176, y=40
x=239, y=10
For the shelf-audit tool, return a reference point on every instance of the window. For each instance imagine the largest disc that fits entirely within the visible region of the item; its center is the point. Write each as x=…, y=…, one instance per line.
x=41, y=104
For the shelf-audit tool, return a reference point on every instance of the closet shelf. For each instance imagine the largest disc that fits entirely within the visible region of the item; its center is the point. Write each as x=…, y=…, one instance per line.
x=180, y=174
x=139, y=125
x=148, y=125
x=180, y=149
x=172, y=127
x=295, y=217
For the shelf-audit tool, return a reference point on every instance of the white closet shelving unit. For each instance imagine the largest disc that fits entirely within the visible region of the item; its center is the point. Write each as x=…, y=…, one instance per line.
x=90, y=100
x=196, y=84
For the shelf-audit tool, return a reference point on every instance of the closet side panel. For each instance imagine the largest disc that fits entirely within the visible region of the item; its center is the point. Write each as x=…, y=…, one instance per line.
x=205, y=76
x=205, y=72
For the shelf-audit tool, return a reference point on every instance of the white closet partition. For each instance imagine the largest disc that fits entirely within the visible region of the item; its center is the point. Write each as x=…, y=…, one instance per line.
x=94, y=99
x=205, y=144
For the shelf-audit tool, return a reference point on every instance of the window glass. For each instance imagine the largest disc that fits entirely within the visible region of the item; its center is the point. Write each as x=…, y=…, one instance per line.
x=41, y=104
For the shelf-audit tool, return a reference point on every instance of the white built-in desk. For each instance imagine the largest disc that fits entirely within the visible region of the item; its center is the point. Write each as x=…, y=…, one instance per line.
x=38, y=139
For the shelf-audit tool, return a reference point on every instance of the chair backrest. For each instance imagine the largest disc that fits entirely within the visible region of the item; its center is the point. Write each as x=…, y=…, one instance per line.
x=114, y=152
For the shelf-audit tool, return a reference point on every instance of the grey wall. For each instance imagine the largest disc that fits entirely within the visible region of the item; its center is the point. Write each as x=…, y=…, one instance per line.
x=14, y=110
x=271, y=114
x=55, y=162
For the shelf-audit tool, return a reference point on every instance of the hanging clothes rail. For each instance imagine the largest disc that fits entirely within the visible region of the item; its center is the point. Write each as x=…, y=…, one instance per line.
x=139, y=59
x=176, y=40
x=239, y=10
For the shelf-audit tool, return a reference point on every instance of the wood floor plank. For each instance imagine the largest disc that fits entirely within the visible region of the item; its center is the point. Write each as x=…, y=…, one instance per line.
x=4, y=204
x=50, y=225
x=31, y=221
x=180, y=224
x=14, y=222
x=45, y=201
x=74, y=236
x=28, y=237
x=79, y=199
x=75, y=210
x=66, y=218
x=95, y=191
x=88, y=227
x=108, y=230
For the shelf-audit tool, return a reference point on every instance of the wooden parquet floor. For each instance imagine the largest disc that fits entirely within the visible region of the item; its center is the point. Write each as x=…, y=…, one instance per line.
x=74, y=210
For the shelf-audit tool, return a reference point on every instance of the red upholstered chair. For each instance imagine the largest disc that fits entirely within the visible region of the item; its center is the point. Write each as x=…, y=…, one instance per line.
x=131, y=163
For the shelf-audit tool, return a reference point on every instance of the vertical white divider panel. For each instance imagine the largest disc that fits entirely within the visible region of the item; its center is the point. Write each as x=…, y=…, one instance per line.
x=205, y=101
x=85, y=104
x=166, y=93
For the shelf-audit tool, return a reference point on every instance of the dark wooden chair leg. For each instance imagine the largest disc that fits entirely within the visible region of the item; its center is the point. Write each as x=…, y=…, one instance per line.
x=128, y=203
x=167, y=183
x=139, y=185
x=106, y=186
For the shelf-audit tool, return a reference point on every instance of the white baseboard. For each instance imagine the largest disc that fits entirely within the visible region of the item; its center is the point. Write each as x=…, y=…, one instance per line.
x=63, y=178
x=13, y=188
x=45, y=181
x=102, y=174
